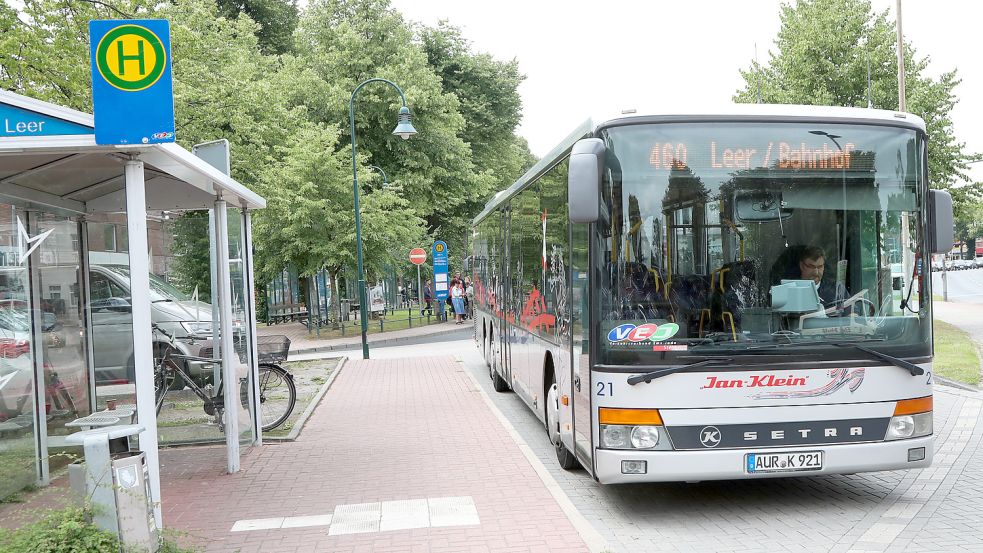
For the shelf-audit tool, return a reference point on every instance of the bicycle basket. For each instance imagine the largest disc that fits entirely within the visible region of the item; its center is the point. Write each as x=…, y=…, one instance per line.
x=269, y=349
x=272, y=349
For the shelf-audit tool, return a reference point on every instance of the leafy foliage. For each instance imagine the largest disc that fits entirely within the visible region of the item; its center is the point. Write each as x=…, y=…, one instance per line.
x=277, y=84
x=65, y=531
x=277, y=20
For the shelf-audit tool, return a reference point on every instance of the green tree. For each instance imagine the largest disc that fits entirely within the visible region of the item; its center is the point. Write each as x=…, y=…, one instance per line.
x=492, y=108
x=224, y=86
x=465, y=107
x=309, y=220
x=823, y=50
x=968, y=207
x=277, y=20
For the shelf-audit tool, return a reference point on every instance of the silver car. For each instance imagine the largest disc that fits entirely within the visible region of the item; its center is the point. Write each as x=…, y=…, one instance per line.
x=170, y=309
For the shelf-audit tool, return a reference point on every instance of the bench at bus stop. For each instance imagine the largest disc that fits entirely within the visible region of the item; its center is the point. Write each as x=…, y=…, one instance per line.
x=286, y=312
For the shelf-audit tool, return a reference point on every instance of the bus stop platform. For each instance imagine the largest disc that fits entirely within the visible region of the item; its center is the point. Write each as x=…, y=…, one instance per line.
x=400, y=455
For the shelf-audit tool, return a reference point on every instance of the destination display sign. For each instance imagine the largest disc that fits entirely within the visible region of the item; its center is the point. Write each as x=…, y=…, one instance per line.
x=714, y=154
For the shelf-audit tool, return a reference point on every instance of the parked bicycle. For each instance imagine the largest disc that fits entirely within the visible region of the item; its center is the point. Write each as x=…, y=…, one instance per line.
x=277, y=393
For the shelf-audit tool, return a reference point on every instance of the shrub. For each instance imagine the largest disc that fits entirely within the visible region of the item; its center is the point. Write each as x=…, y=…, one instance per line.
x=62, y=531
x=66, y=531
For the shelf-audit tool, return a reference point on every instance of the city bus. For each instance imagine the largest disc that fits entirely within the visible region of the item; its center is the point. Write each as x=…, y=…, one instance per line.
x=699, y=296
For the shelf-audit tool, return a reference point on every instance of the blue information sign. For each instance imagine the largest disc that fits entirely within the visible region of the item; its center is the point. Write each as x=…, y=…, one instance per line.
x=132, y=91
x=15, y=121
x=440, y=270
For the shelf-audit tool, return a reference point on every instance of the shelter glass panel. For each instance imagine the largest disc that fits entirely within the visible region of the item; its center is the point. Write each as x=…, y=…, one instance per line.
x=62, y=355
x=18, y=464
x=240, y=323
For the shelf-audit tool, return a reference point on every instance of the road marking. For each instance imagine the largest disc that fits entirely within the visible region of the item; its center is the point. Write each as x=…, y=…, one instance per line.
x=257, y=524
x=305, y=522
x=359, y=518
x=385, y=516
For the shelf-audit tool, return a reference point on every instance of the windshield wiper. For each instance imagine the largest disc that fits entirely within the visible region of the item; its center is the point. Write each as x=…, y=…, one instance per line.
x=659, y=373
x=162, y=299
x=912, y=368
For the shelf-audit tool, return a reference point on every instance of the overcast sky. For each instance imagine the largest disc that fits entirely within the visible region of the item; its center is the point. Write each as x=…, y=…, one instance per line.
x=582, y=58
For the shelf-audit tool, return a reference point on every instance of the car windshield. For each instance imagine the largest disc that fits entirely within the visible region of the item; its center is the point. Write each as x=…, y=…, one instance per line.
x=159, y=289
x=734, y=237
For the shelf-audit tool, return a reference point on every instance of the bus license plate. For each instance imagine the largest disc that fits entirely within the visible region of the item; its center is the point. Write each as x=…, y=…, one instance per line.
x=756, y=463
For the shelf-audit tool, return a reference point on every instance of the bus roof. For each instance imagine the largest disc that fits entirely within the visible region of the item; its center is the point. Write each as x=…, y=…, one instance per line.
x=724, y=112
x=767, y=112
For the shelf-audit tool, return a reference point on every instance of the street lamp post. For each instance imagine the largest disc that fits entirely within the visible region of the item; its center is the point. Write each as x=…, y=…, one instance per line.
x=385, y=179
x=404, y=129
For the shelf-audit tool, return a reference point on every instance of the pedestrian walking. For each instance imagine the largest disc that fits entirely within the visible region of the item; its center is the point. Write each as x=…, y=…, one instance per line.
x=427, y=299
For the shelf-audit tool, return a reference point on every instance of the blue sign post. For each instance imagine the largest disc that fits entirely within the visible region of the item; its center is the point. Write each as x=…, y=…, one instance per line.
x=440, y=275
x=132, y=90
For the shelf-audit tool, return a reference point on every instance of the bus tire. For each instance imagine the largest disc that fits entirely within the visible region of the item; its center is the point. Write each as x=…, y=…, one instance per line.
x=564, y=457
x=498, y=383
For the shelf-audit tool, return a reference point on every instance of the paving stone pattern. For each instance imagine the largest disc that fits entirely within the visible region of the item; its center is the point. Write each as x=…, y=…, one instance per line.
x=937, y=509
x=387, y=430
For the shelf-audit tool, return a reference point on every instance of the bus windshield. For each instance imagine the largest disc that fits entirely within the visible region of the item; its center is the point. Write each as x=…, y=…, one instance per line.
x=742, y=238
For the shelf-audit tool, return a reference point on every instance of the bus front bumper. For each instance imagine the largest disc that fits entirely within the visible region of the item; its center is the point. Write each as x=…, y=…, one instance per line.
x=729, y=464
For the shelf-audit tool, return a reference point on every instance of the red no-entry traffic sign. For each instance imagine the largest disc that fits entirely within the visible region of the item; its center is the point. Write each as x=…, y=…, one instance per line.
x=418, y=256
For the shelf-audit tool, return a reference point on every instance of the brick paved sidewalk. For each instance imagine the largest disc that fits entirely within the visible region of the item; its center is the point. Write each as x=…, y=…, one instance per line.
x=302, y=341
x=387, y=431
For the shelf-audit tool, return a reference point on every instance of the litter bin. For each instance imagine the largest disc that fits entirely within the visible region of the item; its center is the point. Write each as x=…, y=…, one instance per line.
x=115, y=478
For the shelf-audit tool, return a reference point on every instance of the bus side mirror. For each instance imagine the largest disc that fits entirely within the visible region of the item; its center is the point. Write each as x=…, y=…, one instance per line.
x=584, y=180
x=940, y=228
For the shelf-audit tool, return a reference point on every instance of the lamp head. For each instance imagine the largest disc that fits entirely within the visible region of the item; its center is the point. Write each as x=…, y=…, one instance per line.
x=404, y=129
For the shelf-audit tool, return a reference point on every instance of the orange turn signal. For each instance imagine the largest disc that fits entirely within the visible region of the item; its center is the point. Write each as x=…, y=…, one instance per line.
x=912, y=406
x=607, y=415
x=564, y=400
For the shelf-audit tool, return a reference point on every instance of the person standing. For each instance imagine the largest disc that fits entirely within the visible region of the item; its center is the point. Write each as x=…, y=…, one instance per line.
x=457, y=298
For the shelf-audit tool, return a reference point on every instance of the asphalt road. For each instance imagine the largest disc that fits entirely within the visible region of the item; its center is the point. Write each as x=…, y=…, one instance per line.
x=962, y=286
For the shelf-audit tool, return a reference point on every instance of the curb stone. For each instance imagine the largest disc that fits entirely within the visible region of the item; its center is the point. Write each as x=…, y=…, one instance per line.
x=315, y=401
x=374, y=343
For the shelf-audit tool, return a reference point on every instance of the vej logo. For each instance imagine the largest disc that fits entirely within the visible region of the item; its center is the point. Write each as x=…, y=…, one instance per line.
x=131, y=58
x=648, y=331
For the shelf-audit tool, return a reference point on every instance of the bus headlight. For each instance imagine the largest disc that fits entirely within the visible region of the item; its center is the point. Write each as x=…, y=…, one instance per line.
x=619, y=436
x=909, y=426
x=644, y=437
x=615, y=436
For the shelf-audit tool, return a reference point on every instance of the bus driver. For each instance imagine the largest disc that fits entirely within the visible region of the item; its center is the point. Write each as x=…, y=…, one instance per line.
x=812, y=266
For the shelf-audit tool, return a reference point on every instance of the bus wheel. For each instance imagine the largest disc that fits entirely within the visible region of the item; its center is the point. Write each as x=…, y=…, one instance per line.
x=498, y=382
x=563, y=455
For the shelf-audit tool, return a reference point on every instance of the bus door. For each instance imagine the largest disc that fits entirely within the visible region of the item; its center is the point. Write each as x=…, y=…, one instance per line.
x=505, y=330
x=580, y=331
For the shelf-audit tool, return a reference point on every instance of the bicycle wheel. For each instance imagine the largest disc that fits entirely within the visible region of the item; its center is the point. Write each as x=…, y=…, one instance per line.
x=277, y=395
x=163, y=379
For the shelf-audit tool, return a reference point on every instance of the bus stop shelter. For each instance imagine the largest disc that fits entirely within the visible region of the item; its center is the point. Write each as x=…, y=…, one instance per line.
x=73, y=214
